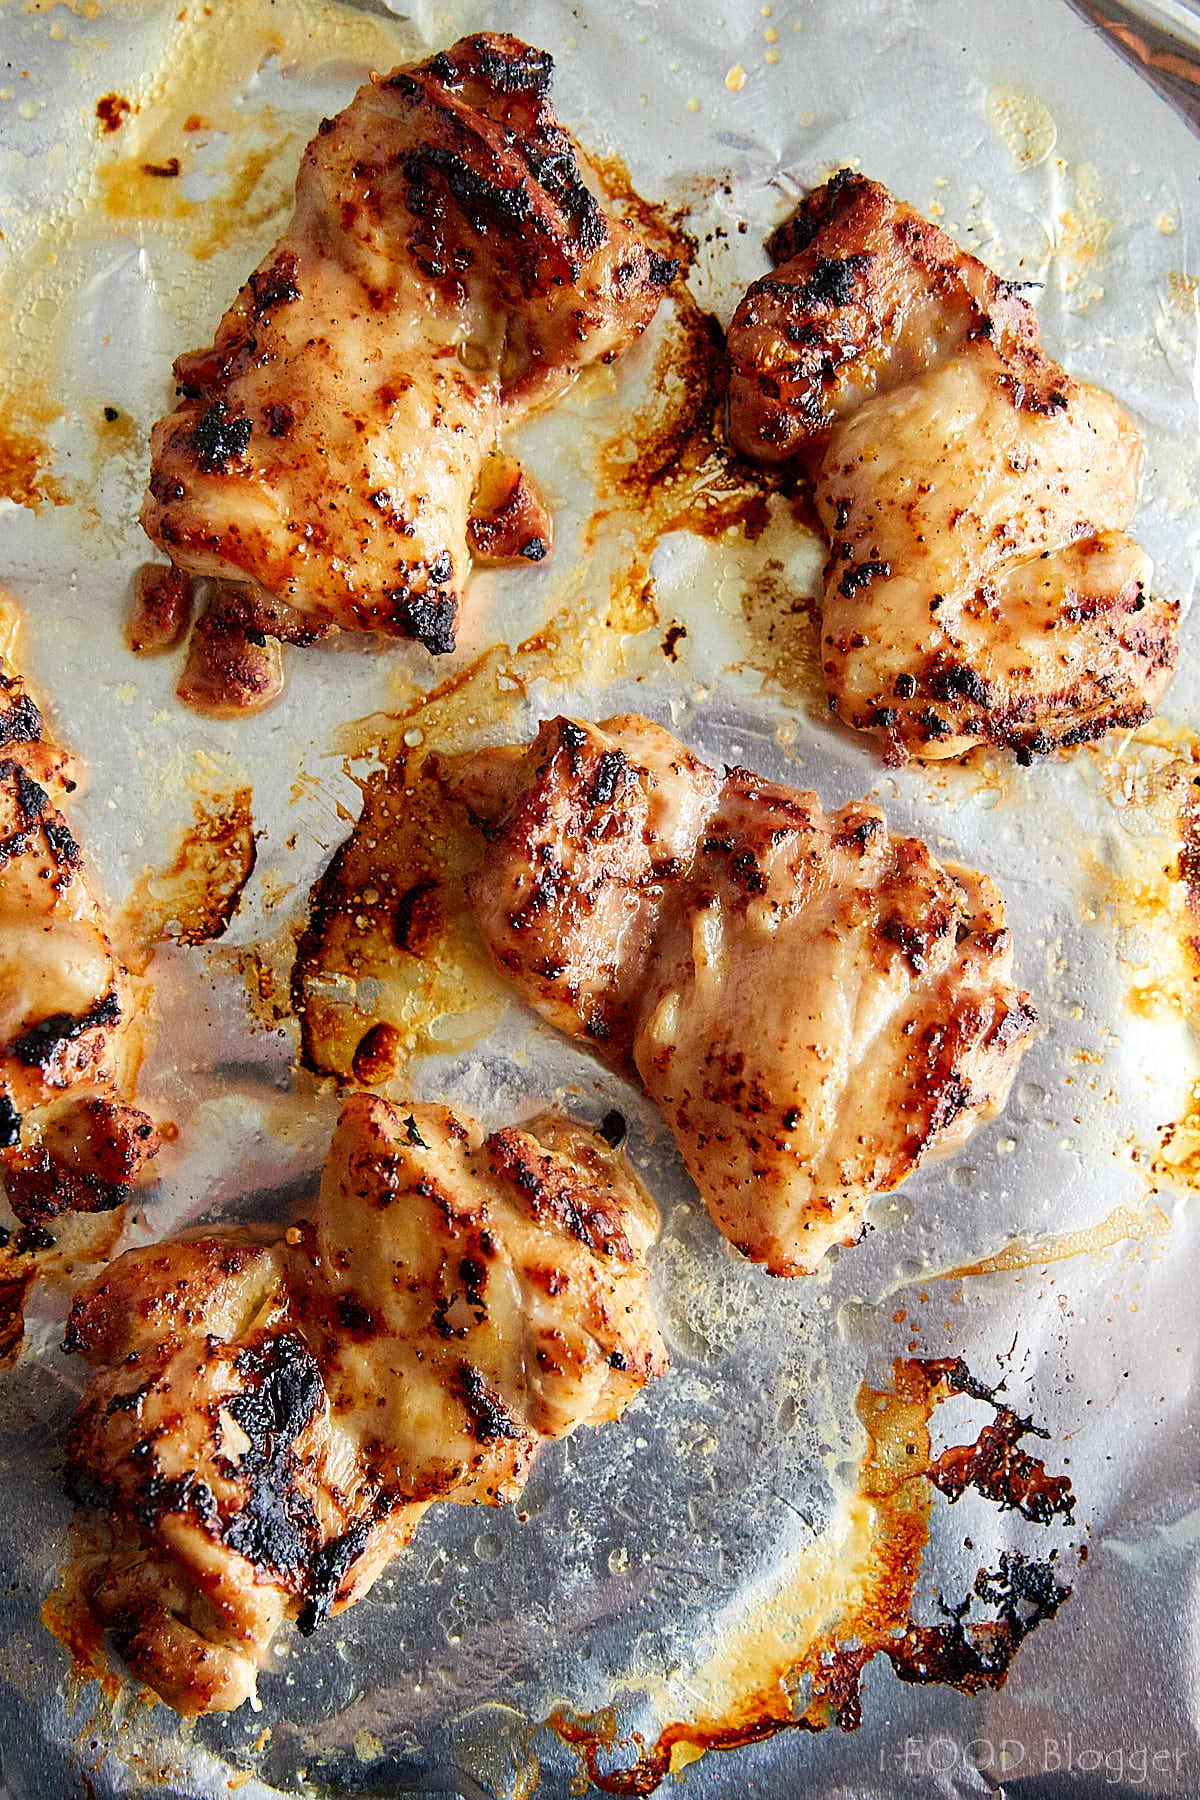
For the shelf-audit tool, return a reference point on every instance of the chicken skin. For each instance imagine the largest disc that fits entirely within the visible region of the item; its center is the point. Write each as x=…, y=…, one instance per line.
x=69, y=1140
x=448, y=267
x=981, y=587
x=814, y=1004
x=271, y=1411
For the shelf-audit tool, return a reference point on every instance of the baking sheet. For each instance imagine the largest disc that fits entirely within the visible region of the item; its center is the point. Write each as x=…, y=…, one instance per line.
x=636, y=1547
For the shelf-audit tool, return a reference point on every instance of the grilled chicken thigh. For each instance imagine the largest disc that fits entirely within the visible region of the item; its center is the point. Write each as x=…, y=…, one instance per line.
x=449, y=266
x=271, y=1412
x=68, y=1138
x=981, y=587
x=813, y=1003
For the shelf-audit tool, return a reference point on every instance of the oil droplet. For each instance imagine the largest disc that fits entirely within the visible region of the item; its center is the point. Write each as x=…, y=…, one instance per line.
x=735, y=81
x=1022, y=124
x=770, y=35
x=693, y=104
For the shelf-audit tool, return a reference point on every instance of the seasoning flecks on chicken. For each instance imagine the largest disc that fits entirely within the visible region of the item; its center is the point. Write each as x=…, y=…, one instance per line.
x=68, y=1139
x=448, y=266
x=272, y=1411
x=981, y=587
x=814, y=1004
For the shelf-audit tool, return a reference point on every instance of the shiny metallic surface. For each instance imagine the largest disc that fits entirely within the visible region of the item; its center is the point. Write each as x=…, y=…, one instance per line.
x=641, y=1548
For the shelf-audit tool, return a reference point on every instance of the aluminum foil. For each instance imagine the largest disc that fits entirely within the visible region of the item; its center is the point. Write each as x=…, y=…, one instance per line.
x=641, y=1549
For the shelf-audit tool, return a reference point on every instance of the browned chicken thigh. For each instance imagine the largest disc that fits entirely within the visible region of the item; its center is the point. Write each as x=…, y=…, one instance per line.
x=69, y=1140
x=449, y=266
x=271, y=1411
x=814, y=1004
x=981, y=587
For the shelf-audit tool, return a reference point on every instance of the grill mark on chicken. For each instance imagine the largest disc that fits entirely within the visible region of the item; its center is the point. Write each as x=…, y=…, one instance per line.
x=69, y=1141
x=42, y=1046
x=981, y=586
x=270, y=1412
x=449, y=265
x=489, y=1420
x=814, y=1005
x=218, y=440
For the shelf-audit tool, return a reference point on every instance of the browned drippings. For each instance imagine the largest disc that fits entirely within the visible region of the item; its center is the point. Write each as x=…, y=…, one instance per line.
x=391, y=911
x=798, y=1661
x=112, y=110
x=1154, y=776
x=26, y=460
x=67, y=1612
x=132, y=189
x=1123, y=1225
x=193, y=899
x=1148, y=887
x=661, y=227
x=398, y=879
x=13, y=1292
x=669, y=467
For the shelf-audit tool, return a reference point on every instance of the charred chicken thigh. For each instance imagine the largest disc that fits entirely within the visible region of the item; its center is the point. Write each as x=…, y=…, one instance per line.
x=981, y=587
x=69, y=1140
x=449, y=266
x=271, y=1411
x=813, y=1003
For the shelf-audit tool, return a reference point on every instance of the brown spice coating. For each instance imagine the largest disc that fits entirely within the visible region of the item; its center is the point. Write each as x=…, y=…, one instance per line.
x=981, y=587
x=449, y=265
x=270, y=1412
x=814, y=1004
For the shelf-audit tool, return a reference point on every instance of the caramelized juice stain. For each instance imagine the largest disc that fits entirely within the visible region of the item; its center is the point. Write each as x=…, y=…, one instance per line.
x=112, y=110
x=797, y=1661
x=1123, y=1225
x=192, y=900
x=68, y=1615
x=670, y=468
x=199, y=84
x=1148, y=888
x=258, y=193
x=357, y=968
x=130, y=191
x=26, y=459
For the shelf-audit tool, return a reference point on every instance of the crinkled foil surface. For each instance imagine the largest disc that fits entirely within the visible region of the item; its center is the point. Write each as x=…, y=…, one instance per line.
x=641, y=1549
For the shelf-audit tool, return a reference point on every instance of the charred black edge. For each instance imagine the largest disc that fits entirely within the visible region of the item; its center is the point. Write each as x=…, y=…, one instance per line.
x=322, y=910
x=327, y=1571
x=36, y=1046
x=490, y=1420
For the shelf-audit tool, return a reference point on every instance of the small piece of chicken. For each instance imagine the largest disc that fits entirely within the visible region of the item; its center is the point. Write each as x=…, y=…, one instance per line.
x=814, y=1004
x=449, y=265
x=272, y=1411
x=68, y=1139
x=980, y=587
